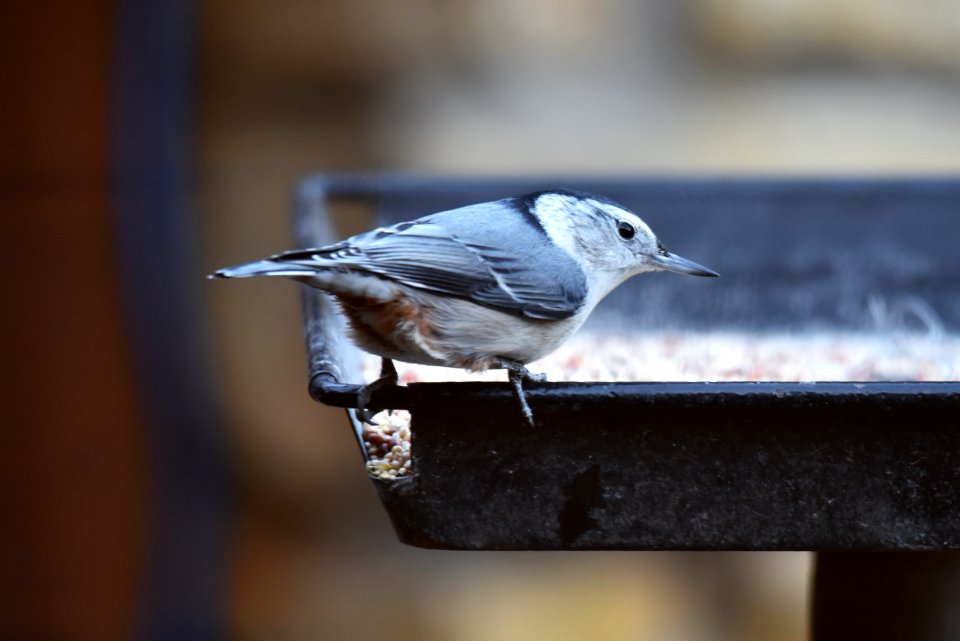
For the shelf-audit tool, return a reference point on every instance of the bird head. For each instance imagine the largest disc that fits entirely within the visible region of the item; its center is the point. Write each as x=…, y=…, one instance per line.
x=610, y=242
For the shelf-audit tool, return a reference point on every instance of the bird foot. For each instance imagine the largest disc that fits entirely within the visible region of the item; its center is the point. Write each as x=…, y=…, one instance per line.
x=527, y=375
x=388, y=376
x=517, y=374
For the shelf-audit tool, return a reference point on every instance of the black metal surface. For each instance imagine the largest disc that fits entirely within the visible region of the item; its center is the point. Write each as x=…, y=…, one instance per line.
x=666, y=466
x=323, y=331
x=828, y=466
x=323, y=327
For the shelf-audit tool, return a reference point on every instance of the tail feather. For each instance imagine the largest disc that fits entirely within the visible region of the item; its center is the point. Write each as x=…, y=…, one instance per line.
x=262, y=268
x=326, y=277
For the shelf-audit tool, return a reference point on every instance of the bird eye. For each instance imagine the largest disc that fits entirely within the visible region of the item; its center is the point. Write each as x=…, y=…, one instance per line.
x=626, y=230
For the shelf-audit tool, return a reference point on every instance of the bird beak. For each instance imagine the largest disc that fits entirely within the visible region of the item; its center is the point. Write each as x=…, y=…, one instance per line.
x=674, y=263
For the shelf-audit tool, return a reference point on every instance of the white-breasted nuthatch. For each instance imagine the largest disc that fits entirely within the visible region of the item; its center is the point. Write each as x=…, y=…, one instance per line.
x=491, y=285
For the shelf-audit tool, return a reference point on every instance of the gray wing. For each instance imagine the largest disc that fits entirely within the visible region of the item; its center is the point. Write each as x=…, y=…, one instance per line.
x=494, y=254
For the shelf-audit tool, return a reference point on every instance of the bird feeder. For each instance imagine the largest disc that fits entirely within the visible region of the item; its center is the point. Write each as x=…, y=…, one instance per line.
x=843, y=465
x=661, y=465
x=848, y=468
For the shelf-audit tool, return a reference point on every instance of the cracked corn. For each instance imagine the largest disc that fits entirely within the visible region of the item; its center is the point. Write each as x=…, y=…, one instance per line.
x=387, y=442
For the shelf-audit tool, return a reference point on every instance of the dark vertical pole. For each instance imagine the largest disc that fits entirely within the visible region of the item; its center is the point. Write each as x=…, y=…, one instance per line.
x=886, y=596
x=72, y=446
x=183, y=594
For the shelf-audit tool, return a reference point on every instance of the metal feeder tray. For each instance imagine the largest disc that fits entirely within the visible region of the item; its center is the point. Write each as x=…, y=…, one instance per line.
x=687, y=466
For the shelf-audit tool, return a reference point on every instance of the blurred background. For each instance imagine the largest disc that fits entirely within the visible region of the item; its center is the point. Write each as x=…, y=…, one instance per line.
x=165, y=474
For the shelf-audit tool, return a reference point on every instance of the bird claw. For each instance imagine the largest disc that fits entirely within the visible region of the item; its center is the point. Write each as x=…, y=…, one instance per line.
x=388, y=376
x=365, y=415
x=516, y=382
x=535, y=378
x=517, y=374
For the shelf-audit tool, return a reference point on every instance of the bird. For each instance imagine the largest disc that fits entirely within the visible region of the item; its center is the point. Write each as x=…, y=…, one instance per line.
x=490, y=285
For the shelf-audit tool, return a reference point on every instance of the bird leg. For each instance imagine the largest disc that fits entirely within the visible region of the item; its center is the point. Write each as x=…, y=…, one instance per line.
x=517, y=374
x=388, y=376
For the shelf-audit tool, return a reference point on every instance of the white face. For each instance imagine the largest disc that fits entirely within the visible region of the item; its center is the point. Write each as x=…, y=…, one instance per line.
x=601, y=235
x=609, y=242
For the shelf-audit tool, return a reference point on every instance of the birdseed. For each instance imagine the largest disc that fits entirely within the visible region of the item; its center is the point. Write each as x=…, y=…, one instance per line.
x=387, y=443
x=686, y=357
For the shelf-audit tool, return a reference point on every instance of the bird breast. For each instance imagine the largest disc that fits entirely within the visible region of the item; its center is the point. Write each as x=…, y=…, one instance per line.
x=419, y=327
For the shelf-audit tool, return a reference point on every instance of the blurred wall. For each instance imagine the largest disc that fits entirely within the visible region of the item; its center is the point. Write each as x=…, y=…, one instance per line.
x=531, y=86
x=503, y=87
x=285, y=89
x=72, y=467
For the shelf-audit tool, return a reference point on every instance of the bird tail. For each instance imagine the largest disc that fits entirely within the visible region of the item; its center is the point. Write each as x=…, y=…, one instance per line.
x=263, y=268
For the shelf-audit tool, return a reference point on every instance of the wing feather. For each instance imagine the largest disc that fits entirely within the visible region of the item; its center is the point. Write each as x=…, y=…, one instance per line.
x=454, y=253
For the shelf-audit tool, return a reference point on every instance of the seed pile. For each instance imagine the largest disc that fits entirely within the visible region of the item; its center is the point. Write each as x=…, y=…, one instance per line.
x=729, y=356
x=388, y=445
x=680, y=356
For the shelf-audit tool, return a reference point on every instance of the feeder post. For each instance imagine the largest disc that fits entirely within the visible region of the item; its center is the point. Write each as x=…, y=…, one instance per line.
x=886, y=596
